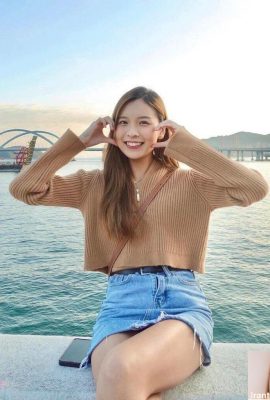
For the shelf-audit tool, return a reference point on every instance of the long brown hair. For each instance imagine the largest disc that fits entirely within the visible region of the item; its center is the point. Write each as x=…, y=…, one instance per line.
x=118, y=202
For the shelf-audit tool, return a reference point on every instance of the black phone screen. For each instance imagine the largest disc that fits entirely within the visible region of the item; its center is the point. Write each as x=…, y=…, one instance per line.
x=75, y=352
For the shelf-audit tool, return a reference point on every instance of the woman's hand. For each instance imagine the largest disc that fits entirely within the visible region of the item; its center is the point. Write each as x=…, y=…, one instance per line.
x=173, y=128
x=94, y=135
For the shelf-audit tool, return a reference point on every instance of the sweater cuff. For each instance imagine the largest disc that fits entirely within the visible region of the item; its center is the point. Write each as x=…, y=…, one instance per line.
x=181, y=143
x=61, y=152
x=68, y=140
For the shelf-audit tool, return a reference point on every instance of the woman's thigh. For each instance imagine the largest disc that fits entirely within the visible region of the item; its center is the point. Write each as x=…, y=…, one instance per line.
x=103, y=349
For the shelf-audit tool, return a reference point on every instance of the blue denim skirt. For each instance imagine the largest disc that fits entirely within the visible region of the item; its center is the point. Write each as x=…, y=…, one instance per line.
x=140, y=297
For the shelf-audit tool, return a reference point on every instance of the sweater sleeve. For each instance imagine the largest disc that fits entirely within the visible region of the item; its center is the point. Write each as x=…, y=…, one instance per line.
x=220, y=181
x=37, y=184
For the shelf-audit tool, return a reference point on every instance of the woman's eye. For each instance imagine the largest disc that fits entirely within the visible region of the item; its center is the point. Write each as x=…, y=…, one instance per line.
x=144, y=122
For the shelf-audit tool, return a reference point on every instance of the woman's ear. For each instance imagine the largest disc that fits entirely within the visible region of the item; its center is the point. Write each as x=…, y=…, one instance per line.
x=162, y=133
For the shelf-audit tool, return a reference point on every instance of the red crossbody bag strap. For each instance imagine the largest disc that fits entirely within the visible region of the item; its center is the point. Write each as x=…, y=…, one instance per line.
x=137, y=218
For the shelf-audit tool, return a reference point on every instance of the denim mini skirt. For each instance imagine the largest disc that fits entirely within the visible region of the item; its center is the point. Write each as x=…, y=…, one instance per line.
x=140, y=297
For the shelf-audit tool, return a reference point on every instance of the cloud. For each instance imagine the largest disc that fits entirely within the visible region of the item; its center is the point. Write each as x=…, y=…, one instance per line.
x=42, y=118
x=34, y=116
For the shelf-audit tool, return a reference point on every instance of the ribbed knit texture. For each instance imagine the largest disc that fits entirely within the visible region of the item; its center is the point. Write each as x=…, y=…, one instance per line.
x=174, y=228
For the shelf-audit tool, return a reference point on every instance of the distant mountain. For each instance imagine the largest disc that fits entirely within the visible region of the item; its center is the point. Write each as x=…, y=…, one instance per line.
x=239, y=139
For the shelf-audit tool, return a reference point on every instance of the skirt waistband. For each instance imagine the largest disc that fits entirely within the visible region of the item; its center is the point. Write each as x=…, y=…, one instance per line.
x=155, y=268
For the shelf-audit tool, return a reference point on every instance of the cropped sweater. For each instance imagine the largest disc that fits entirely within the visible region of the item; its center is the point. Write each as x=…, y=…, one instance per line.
x=175, y=225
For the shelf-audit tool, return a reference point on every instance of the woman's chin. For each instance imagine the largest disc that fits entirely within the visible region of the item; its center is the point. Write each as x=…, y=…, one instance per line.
x=139, y=156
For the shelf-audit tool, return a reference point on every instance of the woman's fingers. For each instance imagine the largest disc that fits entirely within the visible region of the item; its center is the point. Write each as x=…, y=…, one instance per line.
x=160, y=144
x=109, y=120
x=166, y=124
x=172, y=128
x=105, y=121
x=171, y=125
x=94, y=135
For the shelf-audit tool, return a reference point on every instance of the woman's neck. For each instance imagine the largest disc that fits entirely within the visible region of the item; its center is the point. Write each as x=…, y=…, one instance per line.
x=140, y=167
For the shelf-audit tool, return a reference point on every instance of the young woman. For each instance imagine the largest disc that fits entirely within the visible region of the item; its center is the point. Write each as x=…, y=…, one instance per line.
x=258, y=375
x=154, y=328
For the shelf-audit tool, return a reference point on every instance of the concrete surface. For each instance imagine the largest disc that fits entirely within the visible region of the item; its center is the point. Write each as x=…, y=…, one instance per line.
x=29, y=370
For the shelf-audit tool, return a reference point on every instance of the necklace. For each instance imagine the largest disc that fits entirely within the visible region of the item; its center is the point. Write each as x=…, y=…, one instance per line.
x=136, y=182
x=137, y=190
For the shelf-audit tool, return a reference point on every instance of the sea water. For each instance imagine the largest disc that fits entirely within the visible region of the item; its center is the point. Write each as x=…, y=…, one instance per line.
x=44, y=290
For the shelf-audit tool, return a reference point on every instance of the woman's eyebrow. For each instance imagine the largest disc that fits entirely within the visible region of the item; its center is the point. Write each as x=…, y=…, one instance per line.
x=145, y=116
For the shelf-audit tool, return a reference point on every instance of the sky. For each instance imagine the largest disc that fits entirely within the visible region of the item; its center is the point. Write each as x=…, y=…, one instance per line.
x=66, y=63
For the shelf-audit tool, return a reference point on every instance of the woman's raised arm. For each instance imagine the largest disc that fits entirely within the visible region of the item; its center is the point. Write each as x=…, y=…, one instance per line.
x=37, y=184
x=220, y=181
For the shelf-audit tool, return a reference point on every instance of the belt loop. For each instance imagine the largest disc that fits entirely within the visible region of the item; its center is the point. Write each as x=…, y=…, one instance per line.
x=141, y=270
x=166, y=270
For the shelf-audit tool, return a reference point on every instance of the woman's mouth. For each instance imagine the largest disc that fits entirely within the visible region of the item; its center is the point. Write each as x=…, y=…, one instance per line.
x=134, y=145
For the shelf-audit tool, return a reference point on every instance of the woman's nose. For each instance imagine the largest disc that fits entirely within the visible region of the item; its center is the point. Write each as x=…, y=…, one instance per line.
x=132, y=131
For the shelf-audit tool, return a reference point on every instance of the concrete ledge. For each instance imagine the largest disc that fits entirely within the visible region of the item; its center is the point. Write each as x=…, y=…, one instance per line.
x=29, y=370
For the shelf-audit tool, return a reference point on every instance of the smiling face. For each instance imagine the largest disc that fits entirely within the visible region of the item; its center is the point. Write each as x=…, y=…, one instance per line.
x=136, y=125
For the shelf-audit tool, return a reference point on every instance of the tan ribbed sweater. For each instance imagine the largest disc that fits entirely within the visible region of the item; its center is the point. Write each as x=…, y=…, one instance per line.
x=175, y=227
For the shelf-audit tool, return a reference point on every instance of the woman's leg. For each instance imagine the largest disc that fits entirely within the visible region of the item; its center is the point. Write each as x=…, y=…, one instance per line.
x=104, y=348
x=258, y=373
x=134, y=370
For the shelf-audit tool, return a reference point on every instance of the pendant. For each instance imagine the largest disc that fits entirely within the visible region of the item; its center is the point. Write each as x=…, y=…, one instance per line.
x=137, y=194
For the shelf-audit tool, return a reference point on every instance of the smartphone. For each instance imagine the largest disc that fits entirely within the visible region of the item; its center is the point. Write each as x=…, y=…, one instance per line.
x=75, y=352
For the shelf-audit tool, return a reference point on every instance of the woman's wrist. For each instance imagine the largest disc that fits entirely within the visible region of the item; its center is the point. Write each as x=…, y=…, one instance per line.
x=83, y=138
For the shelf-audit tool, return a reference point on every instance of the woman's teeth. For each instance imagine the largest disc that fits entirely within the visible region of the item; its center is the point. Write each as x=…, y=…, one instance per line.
x=134, y=145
